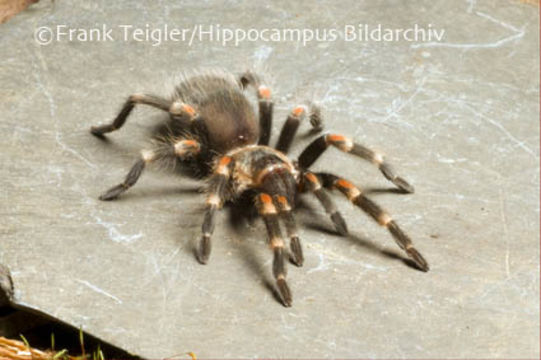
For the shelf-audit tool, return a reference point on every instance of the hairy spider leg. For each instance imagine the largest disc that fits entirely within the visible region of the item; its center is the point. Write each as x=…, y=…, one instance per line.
x=356, y=197
x=217, y=190
x=286, y=214
x=182, y=148
x=269, y=213
x=265, y=115
x=314, y=186
x=127, y=108
x=265, y=105
x=294, y=119
x=313, y=151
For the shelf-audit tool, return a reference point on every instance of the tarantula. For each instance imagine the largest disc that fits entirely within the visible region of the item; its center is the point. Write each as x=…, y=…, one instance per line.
x=213, y=126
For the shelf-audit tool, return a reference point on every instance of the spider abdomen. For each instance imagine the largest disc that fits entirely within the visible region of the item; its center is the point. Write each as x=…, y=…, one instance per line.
x=228, y=115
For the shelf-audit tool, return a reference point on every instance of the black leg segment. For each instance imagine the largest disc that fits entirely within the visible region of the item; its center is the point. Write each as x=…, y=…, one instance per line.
x=268, y=212
x=371, y=208
x=217, y=191
x=314, y=185
x=318, y=146
x=120, y=119
x=286, y=213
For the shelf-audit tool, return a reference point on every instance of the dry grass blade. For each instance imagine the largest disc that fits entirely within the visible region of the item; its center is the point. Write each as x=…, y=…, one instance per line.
x=18, y=350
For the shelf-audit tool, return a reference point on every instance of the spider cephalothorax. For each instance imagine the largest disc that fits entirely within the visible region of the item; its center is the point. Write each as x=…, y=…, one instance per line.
x=213, y=127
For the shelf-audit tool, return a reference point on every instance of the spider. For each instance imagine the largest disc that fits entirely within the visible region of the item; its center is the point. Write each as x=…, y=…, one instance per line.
x=212, y=126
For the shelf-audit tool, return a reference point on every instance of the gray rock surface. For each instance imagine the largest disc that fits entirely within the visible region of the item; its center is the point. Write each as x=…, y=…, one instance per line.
x=457, y=117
